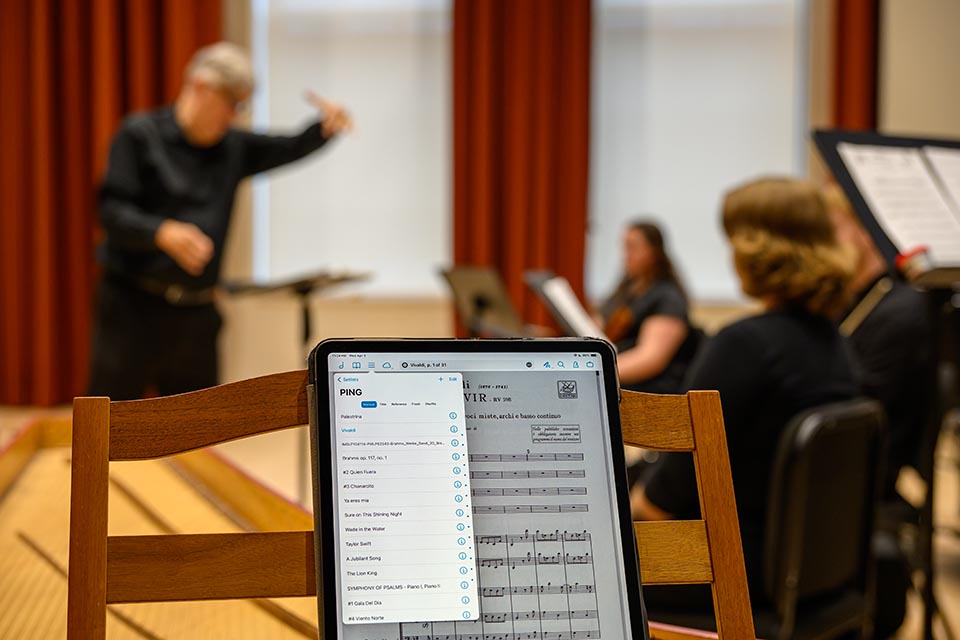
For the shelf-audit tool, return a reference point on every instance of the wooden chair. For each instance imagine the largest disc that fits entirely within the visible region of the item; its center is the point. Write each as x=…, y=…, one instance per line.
x=706, y=551
x=158, y=568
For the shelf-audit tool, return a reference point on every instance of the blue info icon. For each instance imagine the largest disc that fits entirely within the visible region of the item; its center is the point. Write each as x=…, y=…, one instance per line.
x=460, y=513
x=461, y=526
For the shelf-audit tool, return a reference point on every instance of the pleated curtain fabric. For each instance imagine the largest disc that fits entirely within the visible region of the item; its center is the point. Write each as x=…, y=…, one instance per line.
x=856, y=67
x=69, y=71
x=521, y=117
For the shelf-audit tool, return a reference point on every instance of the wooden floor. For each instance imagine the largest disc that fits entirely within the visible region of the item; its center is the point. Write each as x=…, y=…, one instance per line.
x=145, y=498
x=149, y=497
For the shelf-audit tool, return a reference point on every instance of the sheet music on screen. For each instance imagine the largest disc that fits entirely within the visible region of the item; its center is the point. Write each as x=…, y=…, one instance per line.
x=523, y=538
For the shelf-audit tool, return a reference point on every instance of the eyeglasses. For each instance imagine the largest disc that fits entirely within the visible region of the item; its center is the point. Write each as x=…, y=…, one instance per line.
x=237, y=105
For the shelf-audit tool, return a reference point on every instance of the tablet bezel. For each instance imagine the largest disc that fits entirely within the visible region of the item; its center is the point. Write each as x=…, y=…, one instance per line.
x=321, y=453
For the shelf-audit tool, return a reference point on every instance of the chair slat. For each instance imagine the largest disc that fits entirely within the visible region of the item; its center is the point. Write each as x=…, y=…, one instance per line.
x=657, y=422
x=673, y=552
x=213, y=566
x=142, y=429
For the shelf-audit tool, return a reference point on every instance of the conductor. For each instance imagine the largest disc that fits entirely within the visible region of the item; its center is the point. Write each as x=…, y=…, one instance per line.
x=165, y=204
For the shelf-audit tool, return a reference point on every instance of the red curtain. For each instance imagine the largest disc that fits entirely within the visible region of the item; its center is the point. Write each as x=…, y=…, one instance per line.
x=855, y=64
x=521, y=116
x=68, y=72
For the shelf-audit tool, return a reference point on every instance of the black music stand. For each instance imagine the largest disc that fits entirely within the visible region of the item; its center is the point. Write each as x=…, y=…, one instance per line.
x=483, y=303
x=302, y=287
x=938, y=283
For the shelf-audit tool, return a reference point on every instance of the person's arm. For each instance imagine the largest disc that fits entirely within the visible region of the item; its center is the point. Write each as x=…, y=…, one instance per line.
x=127, y=225
x=658, y=340
x=263, y=152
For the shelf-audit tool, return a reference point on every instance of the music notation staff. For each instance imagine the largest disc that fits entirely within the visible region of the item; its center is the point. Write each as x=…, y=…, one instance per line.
x=532, y=635
x=532, y=491
x=544, y=473
x=532, y=589
x=573, y=614
x=524, y=457
x=532, y=508
x=539, y=559
x=536, y=536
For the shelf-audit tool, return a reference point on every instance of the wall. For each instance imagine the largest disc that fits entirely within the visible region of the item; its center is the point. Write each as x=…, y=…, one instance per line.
x=920, y=68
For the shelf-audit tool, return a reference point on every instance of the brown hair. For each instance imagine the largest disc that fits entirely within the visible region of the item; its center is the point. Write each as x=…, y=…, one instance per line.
x=663, y=269
x=784, y=245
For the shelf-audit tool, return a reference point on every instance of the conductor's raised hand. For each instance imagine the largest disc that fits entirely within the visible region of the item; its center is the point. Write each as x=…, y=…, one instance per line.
x=189, y=247
x=336, y=119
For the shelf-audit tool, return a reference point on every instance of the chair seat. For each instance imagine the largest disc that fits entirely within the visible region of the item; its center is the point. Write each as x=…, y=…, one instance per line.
x=823, y=618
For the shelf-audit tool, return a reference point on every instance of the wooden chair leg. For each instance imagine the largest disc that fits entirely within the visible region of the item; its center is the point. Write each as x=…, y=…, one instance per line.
x=87, y=580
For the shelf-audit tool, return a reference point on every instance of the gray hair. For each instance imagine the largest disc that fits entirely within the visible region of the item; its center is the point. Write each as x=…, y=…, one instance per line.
x=224, y=65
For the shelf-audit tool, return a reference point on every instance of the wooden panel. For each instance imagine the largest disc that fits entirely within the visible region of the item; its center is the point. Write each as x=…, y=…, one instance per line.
x=673, y=552
x=660, y=631
x=15, y=456
x=210, y=566
x=159, y=427
x=262, y=508
x=56, y=431
x=658, y=422
x=731, y=599
x=86, y=602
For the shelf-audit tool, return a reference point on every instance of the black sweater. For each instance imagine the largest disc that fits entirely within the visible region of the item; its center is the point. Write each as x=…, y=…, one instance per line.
x=154, y=173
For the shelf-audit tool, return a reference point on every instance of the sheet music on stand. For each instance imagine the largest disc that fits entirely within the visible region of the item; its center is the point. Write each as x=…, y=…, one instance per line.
x=558, y=296
x=906, y=191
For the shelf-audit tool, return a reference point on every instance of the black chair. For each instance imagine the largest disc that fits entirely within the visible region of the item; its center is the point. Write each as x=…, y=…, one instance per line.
x=820, y=516
x=820, y=519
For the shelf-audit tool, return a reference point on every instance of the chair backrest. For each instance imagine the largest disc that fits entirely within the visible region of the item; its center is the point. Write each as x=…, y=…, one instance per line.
x=115, y=569
x=823, y=491
x=706, y=551
x=157, y=568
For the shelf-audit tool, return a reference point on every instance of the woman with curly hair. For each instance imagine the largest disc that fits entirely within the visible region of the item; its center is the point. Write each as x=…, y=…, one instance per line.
x=770, y=366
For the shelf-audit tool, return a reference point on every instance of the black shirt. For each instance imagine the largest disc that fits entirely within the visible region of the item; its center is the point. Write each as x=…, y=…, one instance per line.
x=154, y=173
x=893, y=346
x=624, y=315
x=767, y=369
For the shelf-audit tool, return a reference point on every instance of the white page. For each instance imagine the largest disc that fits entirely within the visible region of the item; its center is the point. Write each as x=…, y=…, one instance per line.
x=946, y=165
x=561, y=295
x=905, y=199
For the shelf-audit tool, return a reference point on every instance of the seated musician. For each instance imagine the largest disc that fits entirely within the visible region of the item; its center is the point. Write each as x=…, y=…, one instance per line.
x=768, y=367
x=889, y=329
x=646, y=316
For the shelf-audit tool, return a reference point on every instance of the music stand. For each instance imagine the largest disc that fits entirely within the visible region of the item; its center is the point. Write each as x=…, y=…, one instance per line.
x=483, y=303
x=302, y=287
x=556, y=295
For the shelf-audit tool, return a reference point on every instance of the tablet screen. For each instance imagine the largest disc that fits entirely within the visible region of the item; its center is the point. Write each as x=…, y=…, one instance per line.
x=474, y=497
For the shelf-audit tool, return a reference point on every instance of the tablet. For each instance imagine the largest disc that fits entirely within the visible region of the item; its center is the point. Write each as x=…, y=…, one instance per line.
x=471, y=490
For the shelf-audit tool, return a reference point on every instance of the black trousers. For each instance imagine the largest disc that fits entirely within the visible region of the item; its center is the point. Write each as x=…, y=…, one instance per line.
x=141, y=342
